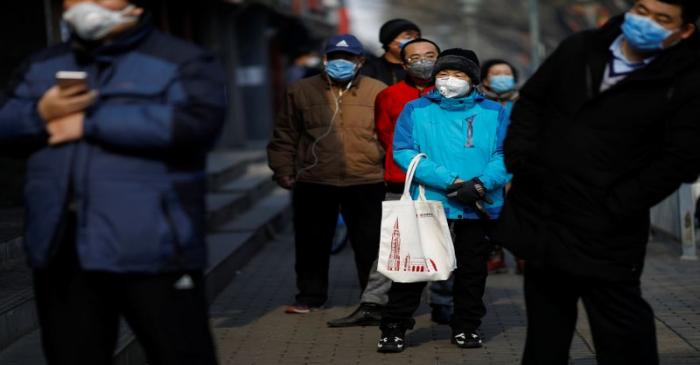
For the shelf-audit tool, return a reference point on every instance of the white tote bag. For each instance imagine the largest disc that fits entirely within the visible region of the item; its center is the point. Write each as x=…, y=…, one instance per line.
x=415, y=243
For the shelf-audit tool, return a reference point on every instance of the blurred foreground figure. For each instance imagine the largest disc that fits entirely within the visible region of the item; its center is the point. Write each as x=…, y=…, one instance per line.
x=115, y=184
x=605, y=129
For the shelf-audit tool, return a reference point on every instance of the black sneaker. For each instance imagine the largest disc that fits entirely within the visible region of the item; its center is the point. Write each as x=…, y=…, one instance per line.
x=393, y=339
x=467, y=339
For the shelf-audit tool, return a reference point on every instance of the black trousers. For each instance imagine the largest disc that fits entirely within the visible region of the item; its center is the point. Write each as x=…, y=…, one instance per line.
x=79, y=312
x=622, y=322
x=472, y=248
x=316, y=208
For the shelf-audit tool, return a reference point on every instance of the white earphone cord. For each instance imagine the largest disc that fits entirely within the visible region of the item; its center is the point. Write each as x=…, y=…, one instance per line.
x=326, y=133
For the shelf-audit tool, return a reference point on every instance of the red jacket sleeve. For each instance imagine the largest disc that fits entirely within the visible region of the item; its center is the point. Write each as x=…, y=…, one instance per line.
x=382, y=120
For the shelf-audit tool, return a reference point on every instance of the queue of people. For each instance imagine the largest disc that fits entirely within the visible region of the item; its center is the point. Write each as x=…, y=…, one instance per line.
x=599, y=134
x=562, y=172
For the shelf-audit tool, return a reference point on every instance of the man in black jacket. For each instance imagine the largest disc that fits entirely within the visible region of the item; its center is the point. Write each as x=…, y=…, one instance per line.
x=605, y=129
x=388, y=68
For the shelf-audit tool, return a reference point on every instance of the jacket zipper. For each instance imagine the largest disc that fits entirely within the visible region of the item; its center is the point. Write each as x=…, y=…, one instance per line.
x=470, y=133
x=87, y=158
x=589, y=82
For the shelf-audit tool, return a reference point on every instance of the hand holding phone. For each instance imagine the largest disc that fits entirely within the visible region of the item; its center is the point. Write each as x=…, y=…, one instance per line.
x=66, y=79
x=70, y=95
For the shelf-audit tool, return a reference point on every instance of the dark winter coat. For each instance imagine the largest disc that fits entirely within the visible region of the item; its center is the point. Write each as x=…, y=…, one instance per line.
x=588, y=165
x=381, y=69
x=136, y=180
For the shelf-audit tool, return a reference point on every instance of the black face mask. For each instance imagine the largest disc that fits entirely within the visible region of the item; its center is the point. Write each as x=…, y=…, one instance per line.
x=422, y=69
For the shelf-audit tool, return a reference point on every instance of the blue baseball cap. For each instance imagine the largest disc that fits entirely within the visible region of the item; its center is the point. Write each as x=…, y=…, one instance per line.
x=344, y=43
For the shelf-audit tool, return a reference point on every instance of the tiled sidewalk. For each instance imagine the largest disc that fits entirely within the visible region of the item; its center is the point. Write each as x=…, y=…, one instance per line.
x=251, y=327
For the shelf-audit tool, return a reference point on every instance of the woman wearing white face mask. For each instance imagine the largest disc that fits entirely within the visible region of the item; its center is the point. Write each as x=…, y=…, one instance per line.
x=462, y=133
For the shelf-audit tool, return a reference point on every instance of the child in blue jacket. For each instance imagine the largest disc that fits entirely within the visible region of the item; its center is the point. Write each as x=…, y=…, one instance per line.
x=462, y=134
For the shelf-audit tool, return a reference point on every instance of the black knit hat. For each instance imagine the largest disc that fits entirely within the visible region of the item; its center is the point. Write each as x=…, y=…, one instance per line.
x=464, y=60
x=391, y=29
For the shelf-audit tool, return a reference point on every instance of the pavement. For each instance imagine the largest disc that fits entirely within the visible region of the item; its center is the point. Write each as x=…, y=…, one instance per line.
x=251, y=327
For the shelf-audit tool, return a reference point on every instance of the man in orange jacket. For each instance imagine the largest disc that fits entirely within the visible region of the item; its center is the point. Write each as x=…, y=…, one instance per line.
x=418, y=57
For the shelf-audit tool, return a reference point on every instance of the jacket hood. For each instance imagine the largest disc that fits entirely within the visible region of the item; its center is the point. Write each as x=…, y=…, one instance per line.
x=512, y=95
x=463, y=103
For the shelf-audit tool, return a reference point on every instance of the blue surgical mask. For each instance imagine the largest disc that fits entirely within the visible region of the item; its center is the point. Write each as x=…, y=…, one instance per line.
x=502, y=83
x=340, y=69
x=402, y=42
x=644, y=34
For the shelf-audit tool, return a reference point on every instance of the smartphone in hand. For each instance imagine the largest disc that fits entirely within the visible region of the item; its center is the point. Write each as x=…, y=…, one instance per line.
x=65, y=79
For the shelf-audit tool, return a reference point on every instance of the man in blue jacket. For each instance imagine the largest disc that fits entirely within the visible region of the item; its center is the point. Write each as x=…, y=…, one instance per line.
x=115, y=185
x=462, y=134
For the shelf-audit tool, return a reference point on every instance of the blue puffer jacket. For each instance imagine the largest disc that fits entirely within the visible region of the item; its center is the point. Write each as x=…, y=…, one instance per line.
x=137, y=178
x=463, y=138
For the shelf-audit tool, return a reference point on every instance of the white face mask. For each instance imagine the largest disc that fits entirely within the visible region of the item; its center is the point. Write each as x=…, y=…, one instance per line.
x=92, y=22
x=452, y=87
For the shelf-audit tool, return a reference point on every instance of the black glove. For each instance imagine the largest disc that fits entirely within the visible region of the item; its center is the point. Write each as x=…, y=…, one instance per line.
x=468, y=192
x=481, y=211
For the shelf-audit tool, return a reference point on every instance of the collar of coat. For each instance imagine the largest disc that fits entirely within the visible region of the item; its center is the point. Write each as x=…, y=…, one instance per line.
x=454, y=104
x=327, y=83
x=667, y=64
x=87, y=51
x=501, y=98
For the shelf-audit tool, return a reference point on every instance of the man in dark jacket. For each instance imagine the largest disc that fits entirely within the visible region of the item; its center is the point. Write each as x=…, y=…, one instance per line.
x=604, y=130
x=115, y=185
x=388, y=68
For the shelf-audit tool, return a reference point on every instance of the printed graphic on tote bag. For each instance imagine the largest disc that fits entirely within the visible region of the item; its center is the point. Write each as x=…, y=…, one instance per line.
x=424, y=264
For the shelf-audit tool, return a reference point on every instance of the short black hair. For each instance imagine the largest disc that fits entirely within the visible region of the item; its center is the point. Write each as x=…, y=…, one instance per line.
x=689, y=8
x=486, y=67
x=391, y=29
x=417, y=40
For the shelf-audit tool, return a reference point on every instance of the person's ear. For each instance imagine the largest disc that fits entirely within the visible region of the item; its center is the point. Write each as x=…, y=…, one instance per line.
x=137, y=12
x=688, y=31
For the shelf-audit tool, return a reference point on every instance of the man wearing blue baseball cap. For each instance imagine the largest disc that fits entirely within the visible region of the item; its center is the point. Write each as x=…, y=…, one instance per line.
x=324, y=148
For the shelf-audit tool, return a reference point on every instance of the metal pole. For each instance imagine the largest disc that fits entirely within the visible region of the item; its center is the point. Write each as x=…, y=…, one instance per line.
x=686, y=205
x=535, y=59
